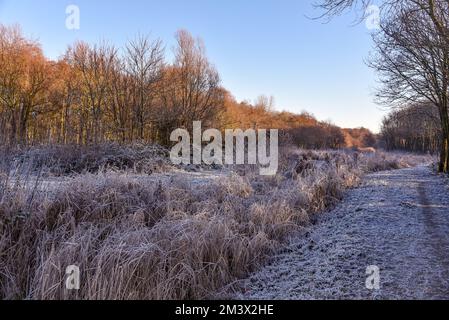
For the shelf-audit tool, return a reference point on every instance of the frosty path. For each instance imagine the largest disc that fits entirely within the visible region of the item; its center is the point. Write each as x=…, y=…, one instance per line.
x=397, y=220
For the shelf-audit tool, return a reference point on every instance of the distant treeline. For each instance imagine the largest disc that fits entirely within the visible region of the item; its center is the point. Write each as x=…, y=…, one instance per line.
x=415, y=128
x=411, y=58
x=99, y=93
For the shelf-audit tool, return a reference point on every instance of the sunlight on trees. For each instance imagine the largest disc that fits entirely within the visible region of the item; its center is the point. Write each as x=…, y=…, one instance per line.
x=98, y=93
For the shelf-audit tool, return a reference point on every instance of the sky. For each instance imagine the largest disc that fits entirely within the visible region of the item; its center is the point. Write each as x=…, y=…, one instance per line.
x=270, y=47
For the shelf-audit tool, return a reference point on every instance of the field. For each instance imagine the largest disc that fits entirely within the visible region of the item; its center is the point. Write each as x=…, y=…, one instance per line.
x=140, y=228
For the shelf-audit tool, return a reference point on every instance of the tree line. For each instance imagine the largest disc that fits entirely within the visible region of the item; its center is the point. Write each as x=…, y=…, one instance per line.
x=414, y=128
x=99, y=93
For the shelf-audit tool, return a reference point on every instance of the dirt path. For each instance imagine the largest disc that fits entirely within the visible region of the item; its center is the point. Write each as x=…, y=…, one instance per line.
x=397, y=221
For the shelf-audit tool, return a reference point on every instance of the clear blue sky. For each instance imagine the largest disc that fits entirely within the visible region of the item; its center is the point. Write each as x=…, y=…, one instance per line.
x=259, y=46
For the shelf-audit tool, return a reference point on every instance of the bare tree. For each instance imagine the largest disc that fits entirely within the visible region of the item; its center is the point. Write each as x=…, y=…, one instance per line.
x=191, y=88
x=144, y=64
x=412, y=55
x=120, y=112
x=11, y=73
x=24, y=81
x=95, y=66
x=412, y=58
x=198, y=82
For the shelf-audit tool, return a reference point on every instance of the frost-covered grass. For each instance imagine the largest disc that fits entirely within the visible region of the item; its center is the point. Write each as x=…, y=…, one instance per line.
x=63, y=160
x=397, y=220
x=167, y=239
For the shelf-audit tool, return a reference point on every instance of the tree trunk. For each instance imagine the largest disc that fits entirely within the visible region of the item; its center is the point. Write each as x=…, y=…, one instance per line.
x=13, y=132
x=444, y=156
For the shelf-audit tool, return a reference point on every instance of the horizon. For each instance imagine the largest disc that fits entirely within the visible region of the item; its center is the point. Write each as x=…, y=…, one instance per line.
x=288, y=59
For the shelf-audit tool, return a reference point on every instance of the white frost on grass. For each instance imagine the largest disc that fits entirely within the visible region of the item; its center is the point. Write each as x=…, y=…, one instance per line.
x=50, y=185
x=372, y=226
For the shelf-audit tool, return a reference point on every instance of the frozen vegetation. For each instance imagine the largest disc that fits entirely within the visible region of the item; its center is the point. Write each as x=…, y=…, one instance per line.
x=396, y=220
x=139, y=228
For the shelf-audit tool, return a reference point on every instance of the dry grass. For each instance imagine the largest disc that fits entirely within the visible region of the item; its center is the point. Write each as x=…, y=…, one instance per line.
x=147, y=240
x=63, y=160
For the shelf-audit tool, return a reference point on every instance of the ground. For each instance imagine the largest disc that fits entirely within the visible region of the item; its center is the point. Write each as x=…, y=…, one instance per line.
x=397, y=221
